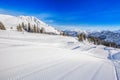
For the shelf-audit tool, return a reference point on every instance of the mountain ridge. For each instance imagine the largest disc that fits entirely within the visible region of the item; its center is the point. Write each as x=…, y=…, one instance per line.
x=11, y=22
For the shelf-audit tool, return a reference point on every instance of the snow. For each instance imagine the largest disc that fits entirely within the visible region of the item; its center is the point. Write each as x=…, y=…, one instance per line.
x=31, y=56
x=105, y=35
x=110, y=36
x=13, y=21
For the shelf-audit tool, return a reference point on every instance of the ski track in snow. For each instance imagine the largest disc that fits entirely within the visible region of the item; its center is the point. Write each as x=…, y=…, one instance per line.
x=25, y=59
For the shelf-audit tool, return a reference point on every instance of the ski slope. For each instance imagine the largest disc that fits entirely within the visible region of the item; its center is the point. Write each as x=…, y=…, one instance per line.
x=27, y=56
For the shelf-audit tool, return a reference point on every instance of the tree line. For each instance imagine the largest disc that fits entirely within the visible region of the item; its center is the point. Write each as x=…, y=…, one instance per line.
x=33, y=29
x=30, y=28
x=96, y=40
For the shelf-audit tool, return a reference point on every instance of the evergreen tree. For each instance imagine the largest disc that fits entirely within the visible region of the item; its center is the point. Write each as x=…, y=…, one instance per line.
x=42, y=30
x=29, y=27
x=2, y=27
x=19, y=28
x=81, y=37
x=24, y=27
x=35, y=28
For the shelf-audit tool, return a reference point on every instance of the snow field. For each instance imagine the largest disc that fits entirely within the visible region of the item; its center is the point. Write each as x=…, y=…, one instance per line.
x=46, y=57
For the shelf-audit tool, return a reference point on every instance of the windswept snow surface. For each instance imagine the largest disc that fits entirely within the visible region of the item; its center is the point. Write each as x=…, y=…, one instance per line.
x=29, y=56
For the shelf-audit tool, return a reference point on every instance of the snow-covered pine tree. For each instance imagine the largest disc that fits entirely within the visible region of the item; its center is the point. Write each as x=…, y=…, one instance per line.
x=29, y=28
x=35, y=28
x=42, y=30
x=19, y=28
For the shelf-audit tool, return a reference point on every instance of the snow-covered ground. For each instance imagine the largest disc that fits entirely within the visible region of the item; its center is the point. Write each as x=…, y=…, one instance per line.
x=30, y=56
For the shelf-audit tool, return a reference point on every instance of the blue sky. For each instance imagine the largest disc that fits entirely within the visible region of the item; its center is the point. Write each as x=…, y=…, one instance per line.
x=104, y=14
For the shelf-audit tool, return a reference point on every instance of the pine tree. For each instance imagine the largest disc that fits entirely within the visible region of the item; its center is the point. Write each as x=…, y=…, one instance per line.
x=35, y=28
x=42, y=30
x=81, y=37
x=2, y=27
x=29, y=27
x=19, y=28
x=23, y=26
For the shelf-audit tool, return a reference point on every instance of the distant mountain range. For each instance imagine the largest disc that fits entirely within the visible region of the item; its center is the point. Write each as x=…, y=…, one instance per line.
x=109, y=36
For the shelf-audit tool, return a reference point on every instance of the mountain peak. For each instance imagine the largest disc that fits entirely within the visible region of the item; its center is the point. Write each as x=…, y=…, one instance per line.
x=13, y=21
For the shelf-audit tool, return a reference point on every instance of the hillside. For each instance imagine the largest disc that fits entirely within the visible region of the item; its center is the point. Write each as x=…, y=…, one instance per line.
x=11, y=23
x=31, y=56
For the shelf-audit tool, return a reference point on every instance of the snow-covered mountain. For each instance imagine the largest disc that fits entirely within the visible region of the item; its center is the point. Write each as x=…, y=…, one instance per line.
x=75, y=33
x=13, y=21
x=110, y=36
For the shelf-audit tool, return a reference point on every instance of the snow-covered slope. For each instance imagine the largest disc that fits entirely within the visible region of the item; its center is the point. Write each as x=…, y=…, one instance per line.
x=13, y=21
x=26, y=56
